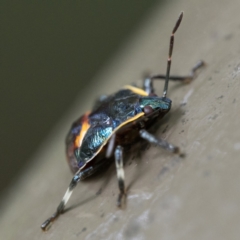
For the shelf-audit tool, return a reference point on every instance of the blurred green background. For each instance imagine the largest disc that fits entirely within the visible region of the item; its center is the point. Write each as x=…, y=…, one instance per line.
x=49, y=51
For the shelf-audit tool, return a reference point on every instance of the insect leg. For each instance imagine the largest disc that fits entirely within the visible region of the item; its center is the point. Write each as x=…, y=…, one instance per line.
x=77, y=177
x=160, y=142
x=110, y=147
x=148, y=85
x=120, y=174
x=184, y=79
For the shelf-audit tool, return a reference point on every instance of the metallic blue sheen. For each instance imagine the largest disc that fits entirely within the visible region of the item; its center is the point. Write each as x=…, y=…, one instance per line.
x=155, y=103
x=100, y=136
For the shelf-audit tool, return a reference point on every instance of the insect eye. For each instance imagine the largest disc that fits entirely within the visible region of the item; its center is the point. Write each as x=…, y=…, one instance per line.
x=147, y=109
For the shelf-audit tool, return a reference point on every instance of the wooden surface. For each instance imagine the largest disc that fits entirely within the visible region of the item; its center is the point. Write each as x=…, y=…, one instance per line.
x=169, y=198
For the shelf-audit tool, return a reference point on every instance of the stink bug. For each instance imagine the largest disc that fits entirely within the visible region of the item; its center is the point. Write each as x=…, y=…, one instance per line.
x=115, y=122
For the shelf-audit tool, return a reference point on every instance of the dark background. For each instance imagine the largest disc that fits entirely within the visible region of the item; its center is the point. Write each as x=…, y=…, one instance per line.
x=49, y=51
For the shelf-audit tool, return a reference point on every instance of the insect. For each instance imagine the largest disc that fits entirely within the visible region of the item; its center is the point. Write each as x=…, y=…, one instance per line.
x=115, y=122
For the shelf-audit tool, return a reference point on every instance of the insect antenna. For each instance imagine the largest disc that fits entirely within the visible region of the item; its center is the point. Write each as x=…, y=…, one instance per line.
x=170, y=54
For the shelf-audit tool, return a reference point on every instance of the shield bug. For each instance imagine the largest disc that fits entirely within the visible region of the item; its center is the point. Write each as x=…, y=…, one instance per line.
x=116, y=121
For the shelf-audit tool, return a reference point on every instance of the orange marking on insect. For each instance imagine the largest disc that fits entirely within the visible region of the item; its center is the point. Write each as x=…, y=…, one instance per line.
x=136, y=90
x=83, y=131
